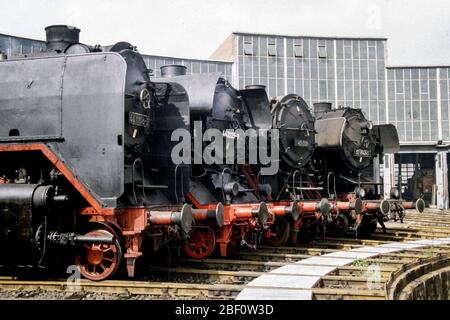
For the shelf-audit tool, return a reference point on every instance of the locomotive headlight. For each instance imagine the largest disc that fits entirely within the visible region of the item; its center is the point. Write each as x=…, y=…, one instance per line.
x=360, y=192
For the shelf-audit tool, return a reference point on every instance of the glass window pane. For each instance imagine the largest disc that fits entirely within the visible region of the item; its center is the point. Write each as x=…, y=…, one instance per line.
x=425, y=110
x=322, y=51
x=248, y=48
x=423, y=86
x=298, y=50
x=271, y=49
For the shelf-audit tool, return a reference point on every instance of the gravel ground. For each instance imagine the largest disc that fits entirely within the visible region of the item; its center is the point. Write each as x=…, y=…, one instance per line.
x=63, y=295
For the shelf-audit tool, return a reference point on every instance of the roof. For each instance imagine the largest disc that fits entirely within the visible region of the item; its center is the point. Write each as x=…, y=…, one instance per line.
x=310, y=36
x=185, y=58
x=22, y=38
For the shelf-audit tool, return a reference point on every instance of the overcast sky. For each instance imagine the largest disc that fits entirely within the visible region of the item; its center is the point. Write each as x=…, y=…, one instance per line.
x=418, y=30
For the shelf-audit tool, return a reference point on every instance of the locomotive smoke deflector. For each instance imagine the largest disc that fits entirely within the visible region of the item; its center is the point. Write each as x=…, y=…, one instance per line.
x=387, y=136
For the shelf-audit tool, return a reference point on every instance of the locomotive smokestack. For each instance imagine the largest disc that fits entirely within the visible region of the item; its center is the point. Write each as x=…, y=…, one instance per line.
x=59, y=37
x=173, y=70
x=321, y=107
x=255, y=86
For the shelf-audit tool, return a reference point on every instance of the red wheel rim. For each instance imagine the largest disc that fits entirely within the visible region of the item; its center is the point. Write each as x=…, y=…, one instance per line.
x=279, y=231
x=201, y=244
x=99, y=261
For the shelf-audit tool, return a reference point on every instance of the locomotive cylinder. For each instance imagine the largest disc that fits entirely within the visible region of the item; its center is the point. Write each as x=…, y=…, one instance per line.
x=17, y=204
x=23, y=194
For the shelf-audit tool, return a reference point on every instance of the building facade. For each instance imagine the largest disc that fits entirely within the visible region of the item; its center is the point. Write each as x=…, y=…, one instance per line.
x=418, y=104
x=346, y=72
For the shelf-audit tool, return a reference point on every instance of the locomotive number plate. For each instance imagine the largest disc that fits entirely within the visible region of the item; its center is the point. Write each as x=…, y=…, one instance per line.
x=138, y=119
x=362, y=153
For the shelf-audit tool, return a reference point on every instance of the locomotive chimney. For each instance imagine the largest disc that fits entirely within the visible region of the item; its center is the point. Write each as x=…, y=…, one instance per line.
x=173, y=70
x=255, y=86
x=321, y=107
x=59, y=37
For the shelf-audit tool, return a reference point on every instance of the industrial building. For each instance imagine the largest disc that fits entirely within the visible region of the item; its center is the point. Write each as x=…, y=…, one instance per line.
x=352, y=72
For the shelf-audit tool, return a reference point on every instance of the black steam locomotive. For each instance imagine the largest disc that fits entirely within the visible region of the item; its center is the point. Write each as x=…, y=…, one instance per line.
x=83, y=140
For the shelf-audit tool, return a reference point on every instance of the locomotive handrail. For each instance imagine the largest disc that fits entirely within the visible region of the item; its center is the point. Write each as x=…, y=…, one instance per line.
x=293, y=184
x=175, y=183
x=133, y=181
x=223, y=185
x=334, y=184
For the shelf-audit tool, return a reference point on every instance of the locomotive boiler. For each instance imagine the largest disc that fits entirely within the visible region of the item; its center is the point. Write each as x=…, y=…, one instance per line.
x=77, y=166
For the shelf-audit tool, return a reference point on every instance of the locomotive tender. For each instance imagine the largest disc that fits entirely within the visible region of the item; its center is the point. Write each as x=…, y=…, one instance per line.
x=86, y=141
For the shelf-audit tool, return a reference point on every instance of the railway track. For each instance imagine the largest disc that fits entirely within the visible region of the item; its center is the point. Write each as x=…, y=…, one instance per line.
x=213, y=278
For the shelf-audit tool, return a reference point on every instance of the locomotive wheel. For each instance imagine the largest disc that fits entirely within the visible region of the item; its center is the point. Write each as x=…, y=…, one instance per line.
x=339, y=226
x=201, y=244
x=367, y=227
x=279, y=232
x=99, y=261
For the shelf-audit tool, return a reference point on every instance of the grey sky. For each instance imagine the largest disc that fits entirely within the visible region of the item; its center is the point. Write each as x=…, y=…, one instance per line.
x=418, y=30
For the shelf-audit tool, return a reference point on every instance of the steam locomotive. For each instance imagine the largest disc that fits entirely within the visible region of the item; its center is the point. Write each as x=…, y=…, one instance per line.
x=81, y=134
x=93, y=164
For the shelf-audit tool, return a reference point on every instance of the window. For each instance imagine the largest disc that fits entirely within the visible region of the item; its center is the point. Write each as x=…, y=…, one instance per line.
x=298, y=50
x=248, y=48
x=322, y=51
x=271, y=49
x=399, y=87
x=424, y=86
